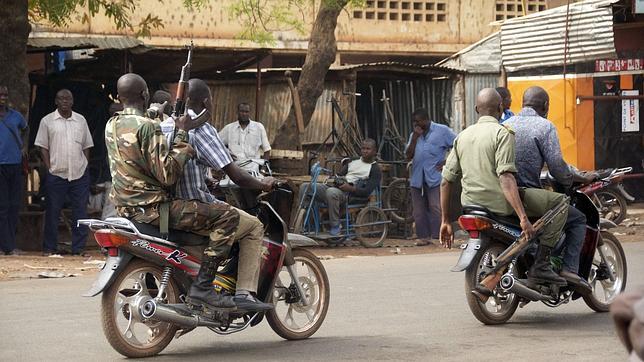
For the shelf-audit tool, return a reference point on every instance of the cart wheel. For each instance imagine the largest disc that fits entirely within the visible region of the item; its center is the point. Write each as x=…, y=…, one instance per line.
x=398, y=196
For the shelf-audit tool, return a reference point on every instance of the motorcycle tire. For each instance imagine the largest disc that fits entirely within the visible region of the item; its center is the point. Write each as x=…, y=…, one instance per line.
x=614, y=197
x=317, y=294
x=117, y=334
x=618, y=260
x=397, y=196
x=474, y=274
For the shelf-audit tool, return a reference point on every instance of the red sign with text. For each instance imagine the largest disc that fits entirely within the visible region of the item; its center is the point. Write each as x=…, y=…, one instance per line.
x=616, y=65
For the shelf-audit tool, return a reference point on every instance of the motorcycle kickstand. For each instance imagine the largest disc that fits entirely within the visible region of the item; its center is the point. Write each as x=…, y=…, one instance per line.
x=300, y=290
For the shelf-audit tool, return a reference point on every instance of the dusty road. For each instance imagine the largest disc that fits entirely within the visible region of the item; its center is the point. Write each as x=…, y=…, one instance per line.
x=401, y=307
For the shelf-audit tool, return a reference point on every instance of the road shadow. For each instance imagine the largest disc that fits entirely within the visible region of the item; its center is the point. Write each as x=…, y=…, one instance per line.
x=322, y=348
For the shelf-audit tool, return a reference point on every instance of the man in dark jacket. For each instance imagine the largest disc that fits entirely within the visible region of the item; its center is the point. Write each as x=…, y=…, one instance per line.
x=362, y=177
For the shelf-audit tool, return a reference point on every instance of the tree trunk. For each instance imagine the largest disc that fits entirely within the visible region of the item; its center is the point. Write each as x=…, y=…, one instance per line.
x=319, y=57
x=15, y=29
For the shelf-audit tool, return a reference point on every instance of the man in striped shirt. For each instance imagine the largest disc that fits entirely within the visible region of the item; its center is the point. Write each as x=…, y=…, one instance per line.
x=210, y=152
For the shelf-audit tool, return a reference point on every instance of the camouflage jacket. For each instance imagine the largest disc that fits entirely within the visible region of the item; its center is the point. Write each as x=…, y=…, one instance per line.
x=142, y=165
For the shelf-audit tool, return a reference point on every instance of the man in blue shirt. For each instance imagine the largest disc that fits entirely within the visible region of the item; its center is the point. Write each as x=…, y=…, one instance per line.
x=427, y=148
x=12, y=129
x=507, y=102
x=537, y=143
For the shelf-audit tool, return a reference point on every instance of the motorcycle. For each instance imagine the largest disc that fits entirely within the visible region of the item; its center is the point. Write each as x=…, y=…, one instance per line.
x=146, y=277
x=602, y=264
x=609, y=195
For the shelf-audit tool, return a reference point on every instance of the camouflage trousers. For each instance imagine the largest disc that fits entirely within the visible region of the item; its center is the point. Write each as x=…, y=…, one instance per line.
x=224, y=225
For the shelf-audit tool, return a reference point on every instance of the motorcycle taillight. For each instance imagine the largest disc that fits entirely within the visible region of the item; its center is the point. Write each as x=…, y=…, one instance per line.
x=110, y=239
x=473, y=223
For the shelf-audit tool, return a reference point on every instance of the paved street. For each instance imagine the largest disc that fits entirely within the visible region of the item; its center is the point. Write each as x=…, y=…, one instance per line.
x=382, y=308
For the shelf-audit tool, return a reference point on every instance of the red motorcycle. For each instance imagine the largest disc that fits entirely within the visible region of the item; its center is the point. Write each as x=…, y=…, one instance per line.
x=608, y=194
x=146, y=278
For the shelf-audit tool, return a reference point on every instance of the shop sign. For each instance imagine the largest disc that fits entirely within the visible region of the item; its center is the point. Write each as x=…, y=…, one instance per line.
x=630, y=112
x=616, y=65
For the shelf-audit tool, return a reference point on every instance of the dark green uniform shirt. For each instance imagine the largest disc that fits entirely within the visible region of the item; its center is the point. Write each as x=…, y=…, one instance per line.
x=481, y=153
x=142, y=165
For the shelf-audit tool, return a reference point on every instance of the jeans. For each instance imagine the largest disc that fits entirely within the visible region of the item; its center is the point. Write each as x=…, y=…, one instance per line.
x=10, y=195
x=575, y=230
x=58, y=191
x=332, y=196
x=426, y=204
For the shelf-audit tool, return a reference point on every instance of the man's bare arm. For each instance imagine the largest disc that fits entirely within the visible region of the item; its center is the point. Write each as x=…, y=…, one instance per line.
x=245, y=180
x=45, y=157
x=267, y=155
x=511, y=193
x=446, y=233
x=409, y=152
x=86, y=153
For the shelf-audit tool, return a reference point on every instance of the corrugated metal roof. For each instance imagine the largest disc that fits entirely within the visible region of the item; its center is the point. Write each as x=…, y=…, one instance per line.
x=376, y=66
x=47, y=40
x=483, y=56
x=537, y=40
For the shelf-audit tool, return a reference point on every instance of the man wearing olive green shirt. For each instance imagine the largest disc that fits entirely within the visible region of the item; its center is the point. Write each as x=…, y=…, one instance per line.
x=483, y=155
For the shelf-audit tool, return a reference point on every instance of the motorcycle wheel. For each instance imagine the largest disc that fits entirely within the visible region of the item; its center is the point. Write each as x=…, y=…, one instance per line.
x=291, y=319
x=125, y=331
x=371, y=236
x=398, y=196
x=500, y=307
x=612, y=205
x=605, y=291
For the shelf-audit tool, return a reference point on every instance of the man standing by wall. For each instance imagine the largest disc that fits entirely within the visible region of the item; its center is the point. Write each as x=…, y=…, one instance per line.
x=246, y=139
x=507, y=102
x=12, y=146
x=427, y=149
x=65, y=140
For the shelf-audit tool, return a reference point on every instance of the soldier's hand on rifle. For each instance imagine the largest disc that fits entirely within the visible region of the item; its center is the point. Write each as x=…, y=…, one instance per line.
x=186, y=123
x=446, y=235
x=527, y=228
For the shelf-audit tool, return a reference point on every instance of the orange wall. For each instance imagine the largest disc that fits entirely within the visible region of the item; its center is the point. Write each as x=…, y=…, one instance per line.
x=575, y=123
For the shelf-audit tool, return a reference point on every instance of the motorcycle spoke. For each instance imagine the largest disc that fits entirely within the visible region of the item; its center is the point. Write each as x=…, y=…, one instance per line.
x=128, y=333
x=289, y=319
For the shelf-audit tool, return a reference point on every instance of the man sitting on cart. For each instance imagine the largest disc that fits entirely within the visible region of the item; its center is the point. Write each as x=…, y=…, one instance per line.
x=359, y=179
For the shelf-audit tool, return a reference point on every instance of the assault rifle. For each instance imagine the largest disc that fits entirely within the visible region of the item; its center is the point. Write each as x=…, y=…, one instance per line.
x=519, y=246
x=180, y=103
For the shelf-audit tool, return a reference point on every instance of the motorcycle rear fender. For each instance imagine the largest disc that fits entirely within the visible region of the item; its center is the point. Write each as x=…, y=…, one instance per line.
x=113, y=265
x=605, y=224
x=627, y=196
x=469, y=251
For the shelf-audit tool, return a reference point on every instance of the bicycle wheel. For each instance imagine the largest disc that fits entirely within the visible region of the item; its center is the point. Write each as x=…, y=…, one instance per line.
x=398, y=196
x=371, y=227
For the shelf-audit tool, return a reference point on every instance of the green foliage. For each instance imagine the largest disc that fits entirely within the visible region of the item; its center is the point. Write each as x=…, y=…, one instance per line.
x=261, y=18
x=59, y=13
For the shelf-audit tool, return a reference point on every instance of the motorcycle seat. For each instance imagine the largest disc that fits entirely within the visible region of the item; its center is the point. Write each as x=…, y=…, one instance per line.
x=176, y=236
x=509, y=220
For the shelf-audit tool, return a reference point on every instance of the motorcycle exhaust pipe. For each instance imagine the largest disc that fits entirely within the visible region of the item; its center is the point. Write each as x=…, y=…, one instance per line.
x=511, y=285
x=165, y=313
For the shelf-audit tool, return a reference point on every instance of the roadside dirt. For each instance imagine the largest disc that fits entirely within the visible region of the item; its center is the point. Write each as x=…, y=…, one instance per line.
x=32, y=264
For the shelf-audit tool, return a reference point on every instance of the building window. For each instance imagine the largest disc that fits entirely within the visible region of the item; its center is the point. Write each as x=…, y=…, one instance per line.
x=508, y=9
x=408, y=11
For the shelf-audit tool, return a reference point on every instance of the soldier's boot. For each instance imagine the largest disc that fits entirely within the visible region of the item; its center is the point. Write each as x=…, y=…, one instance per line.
x=202, y=292
x=541, y=271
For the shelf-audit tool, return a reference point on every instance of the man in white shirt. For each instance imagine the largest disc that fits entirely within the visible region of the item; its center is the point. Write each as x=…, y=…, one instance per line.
x=64, y=140
x=245, y=138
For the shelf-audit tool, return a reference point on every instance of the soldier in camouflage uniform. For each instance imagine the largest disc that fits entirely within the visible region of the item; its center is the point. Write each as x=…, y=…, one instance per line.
x=144, y=168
